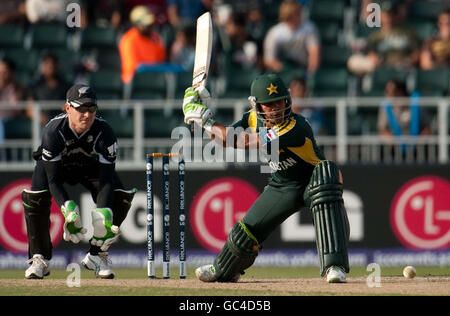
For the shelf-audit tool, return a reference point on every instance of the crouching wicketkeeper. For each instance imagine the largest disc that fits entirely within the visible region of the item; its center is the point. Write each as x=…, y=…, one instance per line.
x=77, y=148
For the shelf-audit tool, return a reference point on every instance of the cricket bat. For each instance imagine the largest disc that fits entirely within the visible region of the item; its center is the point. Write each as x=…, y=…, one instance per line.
x=203, y=48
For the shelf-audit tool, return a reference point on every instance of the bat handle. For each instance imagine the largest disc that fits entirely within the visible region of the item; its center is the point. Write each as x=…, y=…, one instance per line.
x=195, y=85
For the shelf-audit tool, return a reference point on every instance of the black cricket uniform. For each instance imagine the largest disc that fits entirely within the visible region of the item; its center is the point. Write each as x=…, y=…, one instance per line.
x=87, y=159
x=64, y=157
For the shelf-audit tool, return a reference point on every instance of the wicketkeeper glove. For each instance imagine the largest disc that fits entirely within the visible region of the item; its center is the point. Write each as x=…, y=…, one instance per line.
x=105, y=233
x=195, y=107
x=73, y=230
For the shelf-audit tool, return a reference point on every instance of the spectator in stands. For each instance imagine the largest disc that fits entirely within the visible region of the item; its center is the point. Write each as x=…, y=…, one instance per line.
x=47, y=10
x=141, y=44
x=402, y=9
x=292, y=42
x=390, y=46
x=436, y=50
x=186, y=11
x=298, y=90
x=12, y=11
x=104, y=13
x=182, y=51
x=10, y=91
x=240, y=49
x=49, y=85
x=395, y=118
x=157, y=7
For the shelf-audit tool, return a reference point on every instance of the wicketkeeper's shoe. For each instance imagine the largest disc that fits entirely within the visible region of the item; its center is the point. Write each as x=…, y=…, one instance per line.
x=207, y=273
x=336, y=275
x=99, y=264
x=39, y=268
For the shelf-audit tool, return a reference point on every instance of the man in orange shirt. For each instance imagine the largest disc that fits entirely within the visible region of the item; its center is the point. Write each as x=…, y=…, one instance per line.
x=140, y=44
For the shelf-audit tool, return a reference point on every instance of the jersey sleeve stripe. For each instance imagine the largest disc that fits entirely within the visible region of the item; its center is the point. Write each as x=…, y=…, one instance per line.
x=252, y=120
x=306, y=152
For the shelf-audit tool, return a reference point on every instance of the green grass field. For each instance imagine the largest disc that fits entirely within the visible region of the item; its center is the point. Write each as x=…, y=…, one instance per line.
x=256, y=282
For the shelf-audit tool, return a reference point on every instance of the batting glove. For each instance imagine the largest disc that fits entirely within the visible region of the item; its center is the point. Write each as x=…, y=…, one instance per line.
x=105, y=233
x=195, y=107
x=73, y=230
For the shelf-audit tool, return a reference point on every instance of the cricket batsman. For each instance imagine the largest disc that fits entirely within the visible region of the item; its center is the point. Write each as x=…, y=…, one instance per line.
x=302, y=176
x=77, y=148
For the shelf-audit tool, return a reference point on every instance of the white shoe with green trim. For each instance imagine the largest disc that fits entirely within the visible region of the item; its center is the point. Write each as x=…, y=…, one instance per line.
x=207, y=273
x=99, y=264
x=336, y=275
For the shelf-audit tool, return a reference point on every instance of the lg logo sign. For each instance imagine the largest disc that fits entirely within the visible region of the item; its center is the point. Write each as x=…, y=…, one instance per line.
x=420, y=213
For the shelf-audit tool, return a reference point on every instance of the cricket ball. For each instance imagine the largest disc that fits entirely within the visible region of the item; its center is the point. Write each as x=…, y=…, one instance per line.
x=409, y=272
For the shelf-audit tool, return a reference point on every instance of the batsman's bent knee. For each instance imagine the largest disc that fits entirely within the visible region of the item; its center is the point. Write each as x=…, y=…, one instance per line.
x=238, y=253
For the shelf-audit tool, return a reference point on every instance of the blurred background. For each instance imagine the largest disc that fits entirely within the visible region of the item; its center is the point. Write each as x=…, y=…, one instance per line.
x=372, y=78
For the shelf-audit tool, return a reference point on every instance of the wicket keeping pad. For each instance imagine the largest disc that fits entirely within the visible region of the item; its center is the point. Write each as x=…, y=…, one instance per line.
x=238, y=253
x=37, y=206
x=324, y=197
x=121, y=204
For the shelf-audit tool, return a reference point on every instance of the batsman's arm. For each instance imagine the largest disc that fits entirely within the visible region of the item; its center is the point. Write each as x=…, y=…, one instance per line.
x=232, y=137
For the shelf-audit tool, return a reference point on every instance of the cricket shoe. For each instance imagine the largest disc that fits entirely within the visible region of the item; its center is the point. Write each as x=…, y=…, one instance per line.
x=99, y=264
x=335, y=274
x=207, y=273
x=39, y=268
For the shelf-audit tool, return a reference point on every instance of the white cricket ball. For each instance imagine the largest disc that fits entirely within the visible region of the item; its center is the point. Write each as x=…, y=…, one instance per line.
x=409, y=272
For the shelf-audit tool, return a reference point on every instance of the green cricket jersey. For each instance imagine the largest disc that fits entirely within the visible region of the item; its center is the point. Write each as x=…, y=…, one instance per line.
x=298, y=151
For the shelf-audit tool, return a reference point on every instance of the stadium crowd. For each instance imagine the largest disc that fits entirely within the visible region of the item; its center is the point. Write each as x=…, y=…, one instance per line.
x=322, y=48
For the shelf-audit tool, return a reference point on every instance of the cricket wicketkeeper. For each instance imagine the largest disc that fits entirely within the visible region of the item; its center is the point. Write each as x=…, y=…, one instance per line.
x=301, y=177
x=77, y=148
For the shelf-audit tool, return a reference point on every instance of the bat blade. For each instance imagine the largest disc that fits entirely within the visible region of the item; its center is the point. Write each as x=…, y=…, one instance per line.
x=203, y=48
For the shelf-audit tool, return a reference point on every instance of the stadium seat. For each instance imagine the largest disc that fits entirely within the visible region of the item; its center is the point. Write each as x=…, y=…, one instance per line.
x=149, y=85
x=238, y=82
x=11, y=36
x=48, y=35
x=327, y=11
x=287, y=74
x=423, y=29
x=109, y=59
x=160, y=125
x=425, y=10
x=67, y=58
x=98, y=37
x=17, y=128
x=330, y=82
x=433, y=82
x=107, y=83
x=334, y=56
x=23, y=77
x=122, y=124
x=25, y=60
x=224, y=116
x=183, y=81
x=363, y=31
x=381, y=76
x=328, y=32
